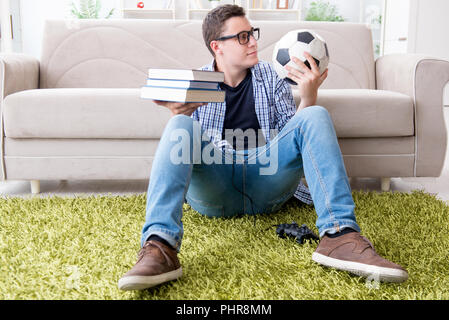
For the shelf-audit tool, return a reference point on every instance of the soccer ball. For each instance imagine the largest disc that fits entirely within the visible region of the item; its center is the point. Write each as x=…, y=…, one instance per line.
x=294, y=43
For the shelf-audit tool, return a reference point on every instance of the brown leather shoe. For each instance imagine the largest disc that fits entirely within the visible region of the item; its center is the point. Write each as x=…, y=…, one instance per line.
x=156, y=264
x=354, y=253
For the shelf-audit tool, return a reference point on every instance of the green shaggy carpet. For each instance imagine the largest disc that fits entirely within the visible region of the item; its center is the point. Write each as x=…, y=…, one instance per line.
x=78, y=248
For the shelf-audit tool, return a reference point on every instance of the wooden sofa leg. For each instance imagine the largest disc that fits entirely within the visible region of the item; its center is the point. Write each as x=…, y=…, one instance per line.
x=35, y=186
x=385, y=184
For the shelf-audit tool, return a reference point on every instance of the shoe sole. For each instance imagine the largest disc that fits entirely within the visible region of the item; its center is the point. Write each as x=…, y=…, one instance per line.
x=371, y=272
x=145, y=282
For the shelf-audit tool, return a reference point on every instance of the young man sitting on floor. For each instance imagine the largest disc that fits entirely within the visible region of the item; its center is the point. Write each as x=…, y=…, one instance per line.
x=305, y=144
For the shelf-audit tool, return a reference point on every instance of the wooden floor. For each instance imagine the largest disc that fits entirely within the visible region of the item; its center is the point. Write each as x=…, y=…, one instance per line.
x=439, y=185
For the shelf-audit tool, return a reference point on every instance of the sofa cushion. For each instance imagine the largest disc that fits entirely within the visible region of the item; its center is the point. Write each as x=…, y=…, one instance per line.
x=363, y=113
x=83, y=113
x=116, y=53
x=120, y=113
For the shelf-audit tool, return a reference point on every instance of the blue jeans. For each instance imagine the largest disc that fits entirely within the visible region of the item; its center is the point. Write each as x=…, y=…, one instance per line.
x=268, y=175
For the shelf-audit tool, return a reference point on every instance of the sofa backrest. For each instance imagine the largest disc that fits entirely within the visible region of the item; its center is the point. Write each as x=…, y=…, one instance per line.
x=117, y=53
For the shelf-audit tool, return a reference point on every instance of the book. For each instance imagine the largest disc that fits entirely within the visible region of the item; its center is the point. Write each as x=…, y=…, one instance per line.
x=182, y=95
x=186, y=84
x=186, y=74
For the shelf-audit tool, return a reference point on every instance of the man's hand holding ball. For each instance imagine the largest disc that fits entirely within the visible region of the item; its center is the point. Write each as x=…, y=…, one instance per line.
x=308, y=80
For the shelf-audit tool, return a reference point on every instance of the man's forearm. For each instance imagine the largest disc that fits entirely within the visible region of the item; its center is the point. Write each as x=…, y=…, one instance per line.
x=305, y=103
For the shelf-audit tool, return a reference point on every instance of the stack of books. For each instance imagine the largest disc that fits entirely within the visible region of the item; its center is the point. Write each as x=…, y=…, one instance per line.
x=181, y=85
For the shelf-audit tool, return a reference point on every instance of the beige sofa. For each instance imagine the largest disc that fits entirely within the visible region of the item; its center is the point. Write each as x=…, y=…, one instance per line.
x=76, y=113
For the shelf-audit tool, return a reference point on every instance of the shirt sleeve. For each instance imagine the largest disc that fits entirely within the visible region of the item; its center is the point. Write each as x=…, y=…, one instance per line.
x=285, y=107
x=195, y=116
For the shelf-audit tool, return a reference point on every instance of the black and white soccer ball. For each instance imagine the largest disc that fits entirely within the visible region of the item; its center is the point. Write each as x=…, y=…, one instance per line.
x=294, y=43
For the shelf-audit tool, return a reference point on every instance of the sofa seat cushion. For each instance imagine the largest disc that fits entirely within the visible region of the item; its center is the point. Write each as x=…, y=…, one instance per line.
x=83, y=113
x=363, y=113
x=120, y=113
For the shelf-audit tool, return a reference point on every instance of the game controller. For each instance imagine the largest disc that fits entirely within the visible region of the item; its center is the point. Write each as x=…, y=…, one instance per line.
x=301, y=233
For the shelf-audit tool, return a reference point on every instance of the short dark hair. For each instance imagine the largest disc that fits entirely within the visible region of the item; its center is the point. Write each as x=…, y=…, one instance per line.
x=214, y=22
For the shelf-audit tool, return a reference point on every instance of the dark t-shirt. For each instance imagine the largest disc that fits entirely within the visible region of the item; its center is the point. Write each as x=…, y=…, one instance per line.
x=241, y=114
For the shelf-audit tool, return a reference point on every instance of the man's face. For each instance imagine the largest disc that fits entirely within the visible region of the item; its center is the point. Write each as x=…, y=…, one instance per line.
x=232, y=53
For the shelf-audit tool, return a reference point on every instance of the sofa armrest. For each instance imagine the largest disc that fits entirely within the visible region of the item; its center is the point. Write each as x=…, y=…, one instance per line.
x=18, y=72
x=423, y=79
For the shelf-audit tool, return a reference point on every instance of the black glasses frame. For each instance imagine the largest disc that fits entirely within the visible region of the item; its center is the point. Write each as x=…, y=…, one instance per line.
x=254, y=32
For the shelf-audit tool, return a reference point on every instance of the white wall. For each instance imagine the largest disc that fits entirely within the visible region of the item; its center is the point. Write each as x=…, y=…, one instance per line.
x=6, y=42
x=35, y=12
x=33, y=15
x=429, y=30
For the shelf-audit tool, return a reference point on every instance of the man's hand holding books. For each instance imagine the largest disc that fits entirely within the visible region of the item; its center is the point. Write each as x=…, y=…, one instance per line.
x=179, y=107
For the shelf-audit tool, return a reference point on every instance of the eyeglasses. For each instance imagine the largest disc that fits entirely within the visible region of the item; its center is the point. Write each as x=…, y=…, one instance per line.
x=243, y=36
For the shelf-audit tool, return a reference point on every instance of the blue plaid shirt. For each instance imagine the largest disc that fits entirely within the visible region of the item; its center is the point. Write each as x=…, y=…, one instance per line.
x=274, y=105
